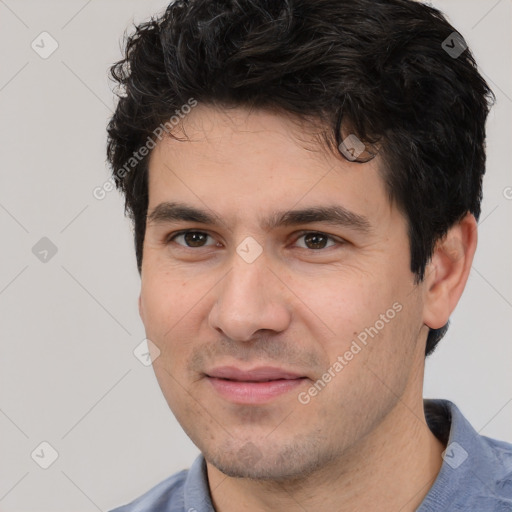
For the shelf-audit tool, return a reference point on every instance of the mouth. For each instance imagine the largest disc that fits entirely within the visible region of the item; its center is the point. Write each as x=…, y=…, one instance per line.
x=254, y=386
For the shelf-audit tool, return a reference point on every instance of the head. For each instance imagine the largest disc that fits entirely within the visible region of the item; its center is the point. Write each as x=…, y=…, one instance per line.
x=245, y=110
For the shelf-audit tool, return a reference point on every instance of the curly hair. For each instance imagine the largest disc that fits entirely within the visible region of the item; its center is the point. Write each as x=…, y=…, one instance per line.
x=379, y=69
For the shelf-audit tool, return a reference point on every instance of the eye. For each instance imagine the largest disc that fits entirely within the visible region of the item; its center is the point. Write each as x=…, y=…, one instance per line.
x=315, y=240
x=191, y=238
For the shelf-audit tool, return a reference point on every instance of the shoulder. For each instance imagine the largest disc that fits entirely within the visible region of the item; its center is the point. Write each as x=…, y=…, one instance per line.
x=489, y=464
x=492, y=479
x=166, y=496
x=477, y=470
x=500, y=455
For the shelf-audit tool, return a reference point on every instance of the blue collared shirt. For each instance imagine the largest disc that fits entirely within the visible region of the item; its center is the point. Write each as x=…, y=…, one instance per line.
x=476, y=474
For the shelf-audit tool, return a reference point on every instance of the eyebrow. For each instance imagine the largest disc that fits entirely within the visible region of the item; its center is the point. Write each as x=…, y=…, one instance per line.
x=336, y=215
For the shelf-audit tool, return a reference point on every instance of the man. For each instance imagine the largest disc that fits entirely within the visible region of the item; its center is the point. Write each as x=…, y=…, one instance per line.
x=304, y=178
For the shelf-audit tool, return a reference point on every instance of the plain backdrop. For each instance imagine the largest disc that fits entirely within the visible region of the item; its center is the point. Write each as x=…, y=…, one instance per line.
x=69, y=325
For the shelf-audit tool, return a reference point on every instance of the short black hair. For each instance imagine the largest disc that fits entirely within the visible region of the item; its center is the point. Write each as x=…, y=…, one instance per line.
x=395, y=73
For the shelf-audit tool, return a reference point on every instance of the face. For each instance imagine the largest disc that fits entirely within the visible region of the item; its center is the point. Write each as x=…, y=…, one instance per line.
x=286, y=333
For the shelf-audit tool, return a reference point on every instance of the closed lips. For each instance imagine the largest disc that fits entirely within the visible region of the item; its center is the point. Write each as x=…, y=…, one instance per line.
x=261, y=374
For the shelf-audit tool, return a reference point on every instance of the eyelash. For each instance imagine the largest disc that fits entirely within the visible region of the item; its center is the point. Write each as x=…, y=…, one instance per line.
x=170, y=238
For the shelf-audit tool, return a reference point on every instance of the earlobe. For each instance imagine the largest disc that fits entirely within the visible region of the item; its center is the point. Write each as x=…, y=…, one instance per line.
x=447, y=273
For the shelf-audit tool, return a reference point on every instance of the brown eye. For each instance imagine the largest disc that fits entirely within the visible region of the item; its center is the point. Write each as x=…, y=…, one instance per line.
x=191, y=238
x=315, y=240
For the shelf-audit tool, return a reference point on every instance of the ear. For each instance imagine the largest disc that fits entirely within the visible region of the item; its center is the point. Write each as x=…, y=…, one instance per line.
x=447, y=272
x=141, y=309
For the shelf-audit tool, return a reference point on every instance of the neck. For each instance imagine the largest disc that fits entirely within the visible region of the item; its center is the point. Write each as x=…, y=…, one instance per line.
x=390, y=469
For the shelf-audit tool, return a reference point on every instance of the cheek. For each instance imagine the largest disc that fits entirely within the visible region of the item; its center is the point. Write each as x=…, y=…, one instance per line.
x=163, y=302
x=165, y=291
x=371, y=320
x=174, y=311
x=345, y=303
x=374, y=357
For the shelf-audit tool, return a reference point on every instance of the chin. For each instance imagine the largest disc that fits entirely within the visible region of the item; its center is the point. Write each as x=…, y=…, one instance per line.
x=268, y=462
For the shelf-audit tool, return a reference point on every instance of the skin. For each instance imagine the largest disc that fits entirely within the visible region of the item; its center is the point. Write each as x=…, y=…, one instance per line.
x=362, y=442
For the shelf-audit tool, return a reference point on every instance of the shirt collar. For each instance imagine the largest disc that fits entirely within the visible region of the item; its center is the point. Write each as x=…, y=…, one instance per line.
x=468, y=462
x=197, y=492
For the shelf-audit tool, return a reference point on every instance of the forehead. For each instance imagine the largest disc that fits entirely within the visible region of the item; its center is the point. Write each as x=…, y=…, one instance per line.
x=247, y=161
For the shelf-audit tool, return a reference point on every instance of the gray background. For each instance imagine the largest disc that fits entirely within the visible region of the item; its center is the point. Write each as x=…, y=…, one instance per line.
x=69, y=325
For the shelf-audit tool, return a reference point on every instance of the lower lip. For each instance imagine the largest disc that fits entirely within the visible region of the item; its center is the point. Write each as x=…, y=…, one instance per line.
x=253, y=392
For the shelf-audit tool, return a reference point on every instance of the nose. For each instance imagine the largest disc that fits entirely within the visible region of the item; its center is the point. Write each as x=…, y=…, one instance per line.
x=249, y=299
